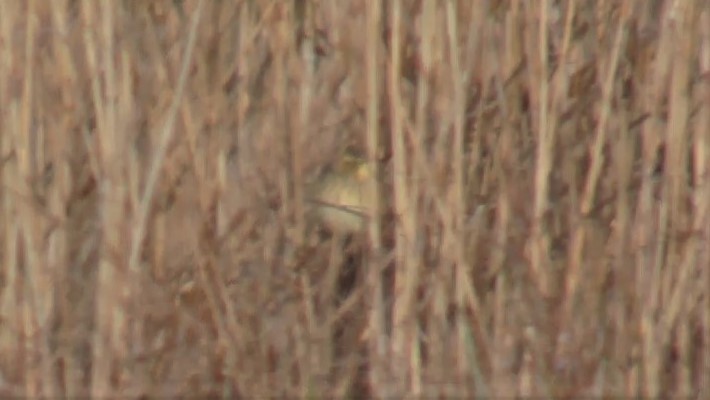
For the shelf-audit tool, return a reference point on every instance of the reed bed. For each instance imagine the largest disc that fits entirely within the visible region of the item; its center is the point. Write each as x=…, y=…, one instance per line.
x=541, y=226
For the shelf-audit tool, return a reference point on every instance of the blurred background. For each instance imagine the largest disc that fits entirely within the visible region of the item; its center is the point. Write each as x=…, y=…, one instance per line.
x=539, y=224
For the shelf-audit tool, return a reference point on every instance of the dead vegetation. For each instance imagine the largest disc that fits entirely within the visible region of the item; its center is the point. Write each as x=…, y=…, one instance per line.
x=542, y=223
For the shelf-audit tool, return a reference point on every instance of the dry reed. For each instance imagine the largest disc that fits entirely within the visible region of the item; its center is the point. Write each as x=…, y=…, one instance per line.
x=541, y=226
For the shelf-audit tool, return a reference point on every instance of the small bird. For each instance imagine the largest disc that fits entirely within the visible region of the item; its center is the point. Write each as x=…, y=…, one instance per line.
x=341, y=195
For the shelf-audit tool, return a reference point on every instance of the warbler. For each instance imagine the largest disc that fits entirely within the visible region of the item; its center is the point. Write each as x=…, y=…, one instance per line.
x=341, y=196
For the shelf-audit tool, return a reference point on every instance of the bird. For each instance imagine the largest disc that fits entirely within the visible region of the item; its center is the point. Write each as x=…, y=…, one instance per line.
x=341, y=196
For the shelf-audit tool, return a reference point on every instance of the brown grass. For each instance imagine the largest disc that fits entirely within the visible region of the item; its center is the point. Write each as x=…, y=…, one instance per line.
x=542, y=225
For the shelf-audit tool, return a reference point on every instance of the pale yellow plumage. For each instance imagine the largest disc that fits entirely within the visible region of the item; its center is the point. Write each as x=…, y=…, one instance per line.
x=341, y=196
